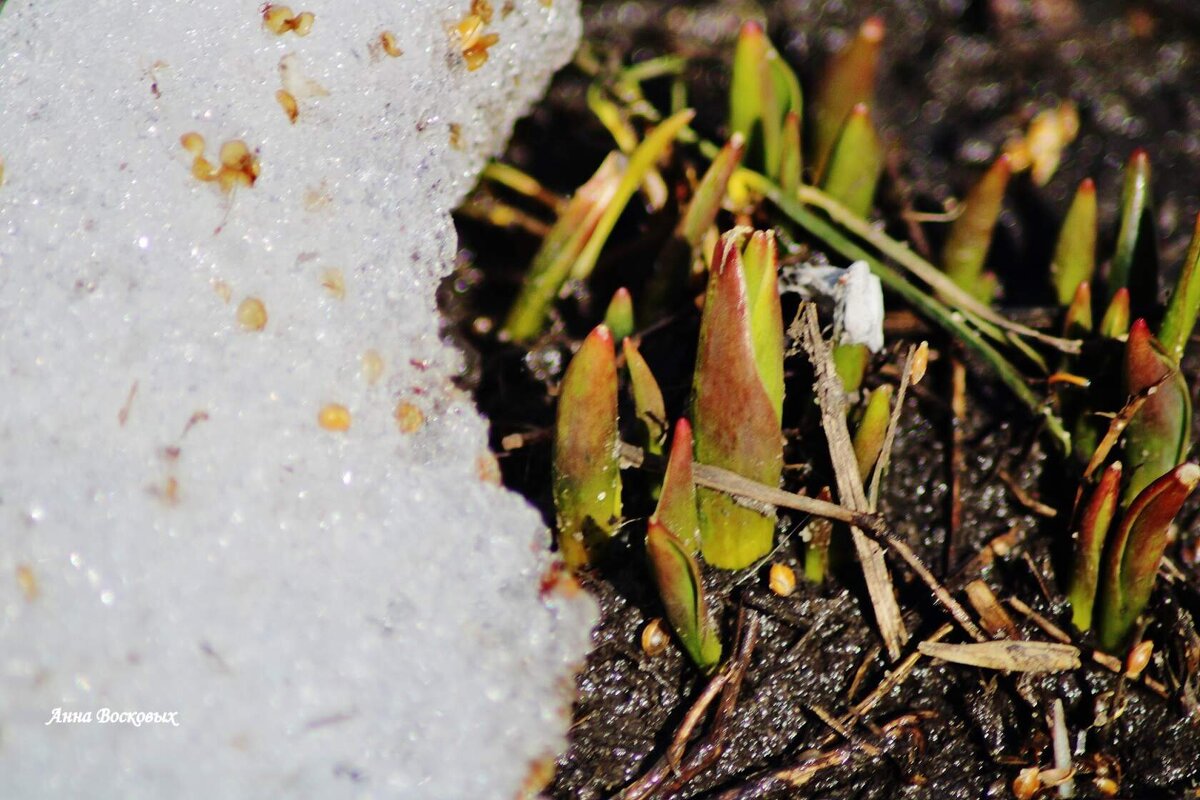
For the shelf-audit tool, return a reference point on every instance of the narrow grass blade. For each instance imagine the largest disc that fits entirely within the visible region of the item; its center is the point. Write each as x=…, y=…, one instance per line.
x=1135, y=552
x=970, y=238
x=647, y=400
x=641, y=161
x=672, y=272
x=619, y=314
x=677, y=503
x=927, y=305
x=1137, y=238
x=706, y=202
x=559, y=250
x=1075, y=254
x=872, y=429
x=1180, y=319
x=1091, y=531
x=736, y=423
x=791, y=159
x=1157, y=437
x=587, y=475
x=855, y=164
x=761, y=264
x=849, y=79
x=1115, y=322
x=614, y=119
x=745, y=91
x=781, y=97
x=682, y=593
x=1078, y=321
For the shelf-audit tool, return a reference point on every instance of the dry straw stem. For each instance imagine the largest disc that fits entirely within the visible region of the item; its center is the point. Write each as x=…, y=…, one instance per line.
x=831, y=399
x=1007, y=656
x=1108, y=662
x=731, y=483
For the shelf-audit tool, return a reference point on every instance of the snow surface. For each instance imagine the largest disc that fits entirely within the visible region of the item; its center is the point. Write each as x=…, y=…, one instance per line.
x=328, y=613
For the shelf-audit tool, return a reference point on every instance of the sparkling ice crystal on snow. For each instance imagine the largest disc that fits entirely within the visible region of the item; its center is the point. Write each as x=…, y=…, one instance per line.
x=329, y=613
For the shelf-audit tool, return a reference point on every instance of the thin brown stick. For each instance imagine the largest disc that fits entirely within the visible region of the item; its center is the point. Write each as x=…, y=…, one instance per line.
x=733, y=484
x=889, y=438
x=958, y=462
x=674, y=769
x=940, y=592
x=1110, y=663
x=830, y=398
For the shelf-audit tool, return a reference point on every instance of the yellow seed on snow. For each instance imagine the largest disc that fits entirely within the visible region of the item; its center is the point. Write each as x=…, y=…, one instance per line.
x=387, y=40
x=234, y=154
x=203, y=170
x=334, y=417
x=28, y=582
x=277, y=19
x=288, y=104
x=372, y=366
x=193, y=143
x=252, y=314
x=302, y=24
x=334, y=282
x=409, y=418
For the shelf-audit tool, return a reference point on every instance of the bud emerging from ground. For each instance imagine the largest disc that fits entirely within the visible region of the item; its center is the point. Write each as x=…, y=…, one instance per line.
x=970, y=238
x=682, y=594
x=737, y=395
x=1075, y=254
x=1157, y=437
x=587, y=474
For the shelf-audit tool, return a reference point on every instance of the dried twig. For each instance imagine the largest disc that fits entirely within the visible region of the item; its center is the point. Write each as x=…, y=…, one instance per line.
x=1008, y=655
x=831, y=399
x=1110, y=663
x=678, y=765
x=731, y=483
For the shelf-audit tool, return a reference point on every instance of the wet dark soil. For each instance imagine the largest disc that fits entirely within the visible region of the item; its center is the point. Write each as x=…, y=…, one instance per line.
x=957, y=78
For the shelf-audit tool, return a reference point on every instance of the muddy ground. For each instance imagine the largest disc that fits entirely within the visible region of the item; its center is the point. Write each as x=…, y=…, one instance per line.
x=957, y=78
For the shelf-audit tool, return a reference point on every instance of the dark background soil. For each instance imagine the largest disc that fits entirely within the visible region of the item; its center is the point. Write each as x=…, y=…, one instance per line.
x=957, y=78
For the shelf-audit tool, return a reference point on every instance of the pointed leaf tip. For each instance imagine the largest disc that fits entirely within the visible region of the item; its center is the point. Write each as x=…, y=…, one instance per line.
x=1157, y=437
x=586, y=471
x=1090, y=534
x=1132, y=559
x=677, y=503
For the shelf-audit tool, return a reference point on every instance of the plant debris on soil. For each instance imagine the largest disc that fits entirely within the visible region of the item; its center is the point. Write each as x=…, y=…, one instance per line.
x=957, y=78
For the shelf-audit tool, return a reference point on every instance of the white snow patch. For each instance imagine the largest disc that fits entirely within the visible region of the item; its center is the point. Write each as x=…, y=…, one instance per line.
x=351, y=614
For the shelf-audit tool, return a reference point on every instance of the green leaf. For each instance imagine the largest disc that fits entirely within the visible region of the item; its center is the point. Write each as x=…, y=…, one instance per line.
x=737, y=424
x=872, y=429
x=647, y=400
x=677, y=503
x=849, y=79
x=1133, y=556
x=1090, y=534
x=561, y=247
x=619, y=314
x=1078, y=321
x=791, y=159
x=746, y=85
x=1115, y=322
x=682, y=593
x=970, y=238
x=641, y=161
x=1075, y=254
x=587, y=474
x=850, y=361
x=1137, y=238
x=672, y=272
x=761, y=263
x=781, y=97
x=1180, y=319
x=855, y=164
x=710, y=193
x=1157, y=437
